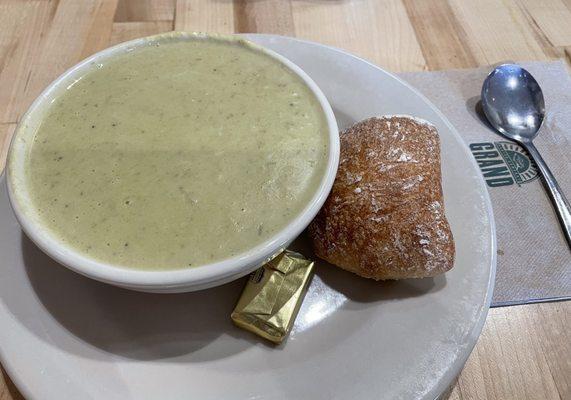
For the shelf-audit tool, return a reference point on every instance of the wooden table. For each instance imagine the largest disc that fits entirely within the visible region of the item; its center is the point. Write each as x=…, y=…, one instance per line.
x=524, y=351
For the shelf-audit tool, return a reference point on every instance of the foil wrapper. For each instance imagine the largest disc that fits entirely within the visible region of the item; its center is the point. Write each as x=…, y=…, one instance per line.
x=273, y=295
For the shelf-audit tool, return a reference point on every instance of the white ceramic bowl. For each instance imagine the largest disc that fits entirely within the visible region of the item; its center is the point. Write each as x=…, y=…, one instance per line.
x=154, y=281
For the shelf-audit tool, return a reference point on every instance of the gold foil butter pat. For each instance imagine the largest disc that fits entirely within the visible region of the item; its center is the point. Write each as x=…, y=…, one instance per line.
x=272, y=296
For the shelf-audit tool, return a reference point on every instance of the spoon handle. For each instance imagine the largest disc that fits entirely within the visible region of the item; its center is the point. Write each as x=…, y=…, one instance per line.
x=557, y=197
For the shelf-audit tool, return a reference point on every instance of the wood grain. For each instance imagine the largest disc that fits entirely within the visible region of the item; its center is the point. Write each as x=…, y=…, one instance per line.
x=378, y=30
x=204, y=16
x=525, y=351
x=145, y=10
x=498, y=31
x=273, y=16
x=123, y=31
x=552, y=17
x=24, y=24
x=441, y=36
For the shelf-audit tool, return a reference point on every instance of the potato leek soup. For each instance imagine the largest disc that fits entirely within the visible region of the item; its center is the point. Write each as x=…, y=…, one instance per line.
x=177, y=155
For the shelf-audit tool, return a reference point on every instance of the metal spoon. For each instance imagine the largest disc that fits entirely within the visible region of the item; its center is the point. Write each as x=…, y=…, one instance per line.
x=513, y=103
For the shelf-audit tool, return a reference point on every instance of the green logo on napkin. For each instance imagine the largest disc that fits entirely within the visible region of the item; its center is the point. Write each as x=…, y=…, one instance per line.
x=504, y=163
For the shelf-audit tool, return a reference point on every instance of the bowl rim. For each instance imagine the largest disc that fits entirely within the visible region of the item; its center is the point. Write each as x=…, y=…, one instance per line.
x=195, y=278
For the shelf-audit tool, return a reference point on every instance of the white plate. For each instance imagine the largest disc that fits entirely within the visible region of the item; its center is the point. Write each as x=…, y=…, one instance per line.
x=63, y=336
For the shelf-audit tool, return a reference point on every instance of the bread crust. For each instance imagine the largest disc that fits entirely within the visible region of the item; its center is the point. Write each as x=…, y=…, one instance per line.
x=384, y=218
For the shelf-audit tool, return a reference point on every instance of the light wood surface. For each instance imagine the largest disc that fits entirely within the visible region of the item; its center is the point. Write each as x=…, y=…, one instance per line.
x=524, y=351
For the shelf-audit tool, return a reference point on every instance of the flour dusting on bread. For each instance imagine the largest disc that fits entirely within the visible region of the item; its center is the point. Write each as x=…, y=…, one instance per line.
x=384, y=218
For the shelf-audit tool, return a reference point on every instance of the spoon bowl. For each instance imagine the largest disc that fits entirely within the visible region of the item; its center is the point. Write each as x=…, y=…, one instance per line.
x=513, y=102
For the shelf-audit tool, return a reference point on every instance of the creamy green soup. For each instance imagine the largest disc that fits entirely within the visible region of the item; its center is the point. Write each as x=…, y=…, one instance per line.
x=176, y=155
